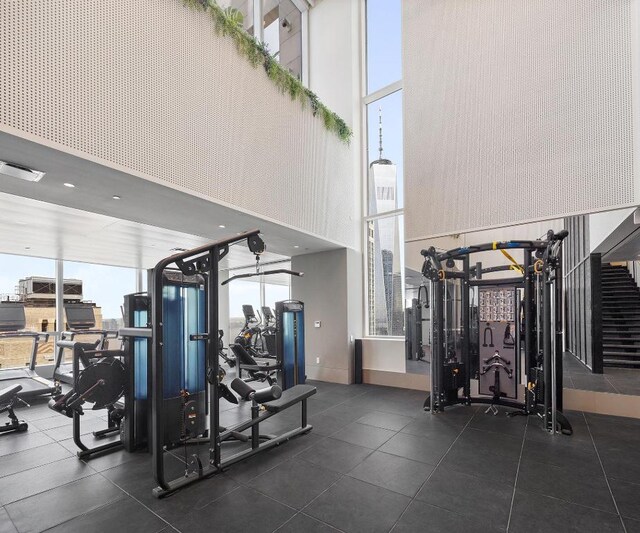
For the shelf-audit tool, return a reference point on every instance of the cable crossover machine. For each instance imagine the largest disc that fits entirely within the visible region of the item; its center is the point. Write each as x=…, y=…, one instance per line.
x=480, y=334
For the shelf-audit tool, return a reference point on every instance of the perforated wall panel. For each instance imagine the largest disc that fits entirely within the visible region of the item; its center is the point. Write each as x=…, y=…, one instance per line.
x=516, y=111
x=149, y=86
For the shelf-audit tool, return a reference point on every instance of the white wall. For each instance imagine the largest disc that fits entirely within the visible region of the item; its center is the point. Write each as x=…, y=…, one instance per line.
x=603, y=225
x=517, y=111
x=327, y=290
x=335, y=34
x=150, y=89
x=387, y=355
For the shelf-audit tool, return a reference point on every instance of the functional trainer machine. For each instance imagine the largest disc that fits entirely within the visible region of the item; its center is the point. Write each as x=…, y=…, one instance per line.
x=507, y=311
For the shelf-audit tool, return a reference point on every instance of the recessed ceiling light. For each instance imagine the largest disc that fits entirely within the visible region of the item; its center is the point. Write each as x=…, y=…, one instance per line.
x=296, y=246
x=116, y=197
x=70, y=185
x=178, y=249
x=222, y=226
x=20, y=172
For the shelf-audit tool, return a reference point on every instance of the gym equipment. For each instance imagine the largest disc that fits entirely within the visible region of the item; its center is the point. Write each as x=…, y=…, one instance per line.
x=499, y=310
x=101, y=381
x=414, y=320
x=268, y=331
x=32, y=386
x=63, y=369
x=221, y=351
x=8, y=399
x=257, y=370
x=185, y=371
x=290, y=342
x=250, y=336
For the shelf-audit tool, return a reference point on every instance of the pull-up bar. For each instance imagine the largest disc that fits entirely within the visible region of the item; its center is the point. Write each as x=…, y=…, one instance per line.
x=267, y=273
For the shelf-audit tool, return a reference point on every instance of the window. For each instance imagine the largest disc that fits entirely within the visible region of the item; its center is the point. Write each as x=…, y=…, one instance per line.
x=384, y=43
x=275, y=293
x=26, y=308
x=385, y=260
x=384, y=174
x=384, y=118
x=104, y=286
x=241, y=292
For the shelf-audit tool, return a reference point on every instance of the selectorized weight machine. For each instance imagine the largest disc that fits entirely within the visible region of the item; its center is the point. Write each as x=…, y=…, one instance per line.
x=162, y=389
x=505, y=313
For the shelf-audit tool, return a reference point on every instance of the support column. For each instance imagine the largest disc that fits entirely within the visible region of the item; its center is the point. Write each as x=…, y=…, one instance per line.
x=140, y=279
x=60, y=315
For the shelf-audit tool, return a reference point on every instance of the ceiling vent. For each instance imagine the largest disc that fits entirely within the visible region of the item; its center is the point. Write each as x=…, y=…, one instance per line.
x=17, y=171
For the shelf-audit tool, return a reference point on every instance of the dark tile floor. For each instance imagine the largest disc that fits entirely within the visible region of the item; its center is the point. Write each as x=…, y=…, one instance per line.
x=614, y=380
x=576, y=376
x=373, y=462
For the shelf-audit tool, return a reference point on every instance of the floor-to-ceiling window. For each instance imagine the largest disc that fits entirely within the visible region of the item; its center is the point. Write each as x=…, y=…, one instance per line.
x=384, y=235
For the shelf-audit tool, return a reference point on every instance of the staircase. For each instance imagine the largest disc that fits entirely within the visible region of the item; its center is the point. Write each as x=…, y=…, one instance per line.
x=620, y=318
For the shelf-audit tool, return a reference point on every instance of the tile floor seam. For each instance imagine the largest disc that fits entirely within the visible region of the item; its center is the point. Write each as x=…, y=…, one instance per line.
x=615, y=503
x=606, y=378
x=9, y=517
x=340, y=478
x=105, y=504
x=47, y=490
x=37, y=466
x=139, y=502
x=431, y=474
x=515, y=483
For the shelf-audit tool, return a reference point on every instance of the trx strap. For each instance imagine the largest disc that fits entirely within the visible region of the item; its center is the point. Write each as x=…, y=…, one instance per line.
x=515, y=266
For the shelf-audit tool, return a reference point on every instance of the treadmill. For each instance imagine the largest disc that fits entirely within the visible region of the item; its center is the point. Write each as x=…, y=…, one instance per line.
x=80, y=320
x=12, y=319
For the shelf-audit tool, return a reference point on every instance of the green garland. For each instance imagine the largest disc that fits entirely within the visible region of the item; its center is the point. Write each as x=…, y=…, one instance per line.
x=229, y=22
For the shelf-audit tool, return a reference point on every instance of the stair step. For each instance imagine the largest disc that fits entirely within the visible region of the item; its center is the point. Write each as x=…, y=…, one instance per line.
x=615, y=337
x=626, y=348
x=621, y=355
x=621, y=363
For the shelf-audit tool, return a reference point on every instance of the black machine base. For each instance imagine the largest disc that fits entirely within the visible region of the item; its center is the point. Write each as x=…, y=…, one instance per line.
x=564, y=426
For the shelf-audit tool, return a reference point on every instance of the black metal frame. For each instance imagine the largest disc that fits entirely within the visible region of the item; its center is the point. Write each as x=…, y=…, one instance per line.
x=79, y=354
x=541, y=258
x=69, y=336
x=205, y=261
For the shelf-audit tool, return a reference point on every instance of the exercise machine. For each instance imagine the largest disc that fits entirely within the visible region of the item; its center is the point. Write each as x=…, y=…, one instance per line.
x=414, y=320
x=531, y=299
x=290, y=342
x=203, y=262
x=12, y=319
x=100, y=380
x=81, y=321
x=8, y=399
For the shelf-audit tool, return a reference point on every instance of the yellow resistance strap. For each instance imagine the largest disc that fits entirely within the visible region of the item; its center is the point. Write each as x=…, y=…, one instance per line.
x=515, y=266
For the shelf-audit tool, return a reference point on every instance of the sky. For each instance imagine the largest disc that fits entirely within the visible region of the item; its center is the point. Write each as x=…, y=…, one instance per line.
x=103, y=285
x=384, y=66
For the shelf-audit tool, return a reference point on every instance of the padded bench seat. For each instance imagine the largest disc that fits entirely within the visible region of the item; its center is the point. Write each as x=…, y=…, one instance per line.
x=290, y=397
x=9, y=392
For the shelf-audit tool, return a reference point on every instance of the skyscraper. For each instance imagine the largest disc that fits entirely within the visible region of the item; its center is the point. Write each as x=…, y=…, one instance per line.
x=385, y=276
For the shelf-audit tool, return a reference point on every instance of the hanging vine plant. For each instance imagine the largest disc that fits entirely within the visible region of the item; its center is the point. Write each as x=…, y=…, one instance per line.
x=229, y=23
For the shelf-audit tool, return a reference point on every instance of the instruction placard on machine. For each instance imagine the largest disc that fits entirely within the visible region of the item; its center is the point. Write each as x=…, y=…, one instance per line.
x=497, y=312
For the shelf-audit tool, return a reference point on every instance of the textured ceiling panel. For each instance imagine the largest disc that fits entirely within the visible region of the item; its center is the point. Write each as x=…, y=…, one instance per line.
x=150, y=87
x=516, y=111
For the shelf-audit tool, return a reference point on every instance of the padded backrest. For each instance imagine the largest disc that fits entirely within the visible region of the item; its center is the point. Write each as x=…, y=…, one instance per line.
x=242, y=355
